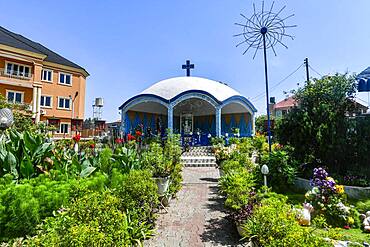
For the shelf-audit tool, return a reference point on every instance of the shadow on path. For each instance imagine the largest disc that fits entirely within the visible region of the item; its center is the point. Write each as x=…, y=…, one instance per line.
x=218, y=229
x=212, y=180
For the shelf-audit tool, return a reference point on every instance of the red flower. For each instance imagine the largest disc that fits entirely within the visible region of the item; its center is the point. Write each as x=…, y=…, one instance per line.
x=130, y=137
x=119, y=140
x=346, y=227
x=138, y=133
x=77, y=138
x=92, y=145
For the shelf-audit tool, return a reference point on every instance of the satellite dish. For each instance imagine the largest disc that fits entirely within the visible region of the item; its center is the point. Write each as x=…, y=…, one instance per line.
x=6, y=118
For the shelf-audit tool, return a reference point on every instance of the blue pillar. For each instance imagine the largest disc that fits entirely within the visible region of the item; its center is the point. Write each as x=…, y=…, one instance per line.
x=170, y=118
x=123, y=122
x=218, y=121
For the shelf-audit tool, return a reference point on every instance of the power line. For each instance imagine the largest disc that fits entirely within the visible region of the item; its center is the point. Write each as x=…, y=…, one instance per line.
x=261, y=95
x=315, y=71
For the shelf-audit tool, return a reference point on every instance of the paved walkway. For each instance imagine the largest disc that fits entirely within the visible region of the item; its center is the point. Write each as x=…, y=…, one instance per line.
x=197, y=217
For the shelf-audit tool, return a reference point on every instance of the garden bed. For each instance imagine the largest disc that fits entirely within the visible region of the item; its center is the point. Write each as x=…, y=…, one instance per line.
x=353, y=192
x=54, y=195
x=282, y=217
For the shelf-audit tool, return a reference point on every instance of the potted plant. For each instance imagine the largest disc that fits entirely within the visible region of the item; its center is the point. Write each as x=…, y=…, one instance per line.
x=161, y=174
x=240, y=216
x=159, y=165
x=166, y=198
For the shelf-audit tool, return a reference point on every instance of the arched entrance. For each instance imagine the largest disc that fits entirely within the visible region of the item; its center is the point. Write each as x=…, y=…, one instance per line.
x=194, y=118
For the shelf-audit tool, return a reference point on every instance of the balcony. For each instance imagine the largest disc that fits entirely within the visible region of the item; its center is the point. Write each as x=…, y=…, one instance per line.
x=16, y=74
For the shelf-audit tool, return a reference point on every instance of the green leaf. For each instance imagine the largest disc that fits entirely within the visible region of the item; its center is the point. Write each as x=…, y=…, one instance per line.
x=29, y=141
x=87, y=171
x=26, y=167
x=85, y=164
x=11, y=164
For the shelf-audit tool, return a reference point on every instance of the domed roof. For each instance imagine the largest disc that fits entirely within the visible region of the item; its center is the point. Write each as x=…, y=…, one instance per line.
x=172, y=87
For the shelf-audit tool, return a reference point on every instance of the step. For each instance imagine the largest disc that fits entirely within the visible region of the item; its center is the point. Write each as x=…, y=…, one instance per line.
x=201, y=165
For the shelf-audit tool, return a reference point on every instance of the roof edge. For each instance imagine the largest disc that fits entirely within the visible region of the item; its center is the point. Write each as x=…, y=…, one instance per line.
x=23, y=52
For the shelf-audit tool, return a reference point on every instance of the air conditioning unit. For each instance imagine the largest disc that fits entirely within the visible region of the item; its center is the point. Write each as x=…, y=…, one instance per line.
x=42, y=112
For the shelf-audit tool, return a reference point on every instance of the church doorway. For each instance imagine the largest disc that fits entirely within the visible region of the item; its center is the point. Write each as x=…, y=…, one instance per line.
x=186, y=124
x=194, y=119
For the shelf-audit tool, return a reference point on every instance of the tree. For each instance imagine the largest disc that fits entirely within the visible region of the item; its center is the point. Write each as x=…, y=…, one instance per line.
x=21, y=113
x=319, y=128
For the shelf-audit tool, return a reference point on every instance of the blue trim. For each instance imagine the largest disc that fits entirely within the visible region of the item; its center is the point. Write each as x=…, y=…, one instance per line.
x=196, y=91
x=236, y=98
x=223, y=103
x=143, y=95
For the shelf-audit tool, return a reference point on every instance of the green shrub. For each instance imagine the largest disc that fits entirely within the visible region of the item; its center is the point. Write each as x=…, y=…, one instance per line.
x=23, y=206
x=96, y=219
x=274, y=224
x=175, y=179
x=282, y=169
x=137, y=191
x=236, y=185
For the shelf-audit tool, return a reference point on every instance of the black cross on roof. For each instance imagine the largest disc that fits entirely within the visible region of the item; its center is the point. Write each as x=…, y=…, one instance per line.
x=188, y=66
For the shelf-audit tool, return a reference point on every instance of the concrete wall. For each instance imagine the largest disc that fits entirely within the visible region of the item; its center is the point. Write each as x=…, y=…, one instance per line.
x=352, y=191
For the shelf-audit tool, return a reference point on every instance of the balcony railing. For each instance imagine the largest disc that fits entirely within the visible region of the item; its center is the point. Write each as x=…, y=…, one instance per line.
x=15, y=74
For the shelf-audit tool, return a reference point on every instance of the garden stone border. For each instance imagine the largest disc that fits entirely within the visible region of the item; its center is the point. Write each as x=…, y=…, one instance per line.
x=353, y=192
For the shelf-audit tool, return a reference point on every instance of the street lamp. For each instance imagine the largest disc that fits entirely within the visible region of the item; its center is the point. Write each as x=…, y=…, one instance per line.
x=265, y=172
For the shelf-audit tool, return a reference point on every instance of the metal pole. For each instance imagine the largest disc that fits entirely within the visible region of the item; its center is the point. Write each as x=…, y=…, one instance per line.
x=267, y=90
x=307, y=71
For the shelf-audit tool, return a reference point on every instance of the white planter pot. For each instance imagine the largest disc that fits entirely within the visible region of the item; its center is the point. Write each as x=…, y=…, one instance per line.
x=162, y=184
x=166, y=200
x=221, y=172
x=240, y=230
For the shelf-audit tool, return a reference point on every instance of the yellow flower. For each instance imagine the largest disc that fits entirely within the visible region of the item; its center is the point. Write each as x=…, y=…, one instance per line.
x=339, y=189
x=330, y=179
x=350, y=221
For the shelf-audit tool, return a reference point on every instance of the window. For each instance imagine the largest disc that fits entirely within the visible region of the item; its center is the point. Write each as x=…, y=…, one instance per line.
x=65, y=79
x=18, y=70
x=14, y=97
x=47, y=75
x=46, y=101
x=63, y=128
x=64, y=103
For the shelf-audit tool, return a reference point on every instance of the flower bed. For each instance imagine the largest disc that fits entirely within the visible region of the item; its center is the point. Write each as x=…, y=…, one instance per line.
x=61, y=197
x=353, y=192
x=266, y=218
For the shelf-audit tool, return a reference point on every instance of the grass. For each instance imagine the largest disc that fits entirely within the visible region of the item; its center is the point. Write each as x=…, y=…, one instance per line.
x=353, y=235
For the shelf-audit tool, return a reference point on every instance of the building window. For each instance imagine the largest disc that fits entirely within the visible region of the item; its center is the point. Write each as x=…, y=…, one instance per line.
x=65, y=79
x=47, y=75
x=46, y=101
x=18, y=70
x=64, y=103
x=14, y=97
x=63, y=128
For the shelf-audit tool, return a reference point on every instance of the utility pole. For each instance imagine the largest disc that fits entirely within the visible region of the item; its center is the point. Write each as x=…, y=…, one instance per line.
x=307, y=71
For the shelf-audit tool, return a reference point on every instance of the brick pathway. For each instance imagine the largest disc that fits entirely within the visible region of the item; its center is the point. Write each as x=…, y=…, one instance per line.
x=197, y=217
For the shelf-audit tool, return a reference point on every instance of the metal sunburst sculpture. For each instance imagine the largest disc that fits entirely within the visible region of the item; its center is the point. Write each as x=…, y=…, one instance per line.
x=264, y=30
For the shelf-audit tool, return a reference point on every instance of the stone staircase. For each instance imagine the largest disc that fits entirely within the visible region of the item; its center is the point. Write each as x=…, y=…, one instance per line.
x=199, y=157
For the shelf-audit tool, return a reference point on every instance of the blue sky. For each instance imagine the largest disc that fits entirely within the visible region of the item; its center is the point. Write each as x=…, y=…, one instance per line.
x=128, y=45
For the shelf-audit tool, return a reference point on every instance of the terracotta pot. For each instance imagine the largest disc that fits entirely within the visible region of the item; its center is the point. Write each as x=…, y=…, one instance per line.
x=162, y=184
